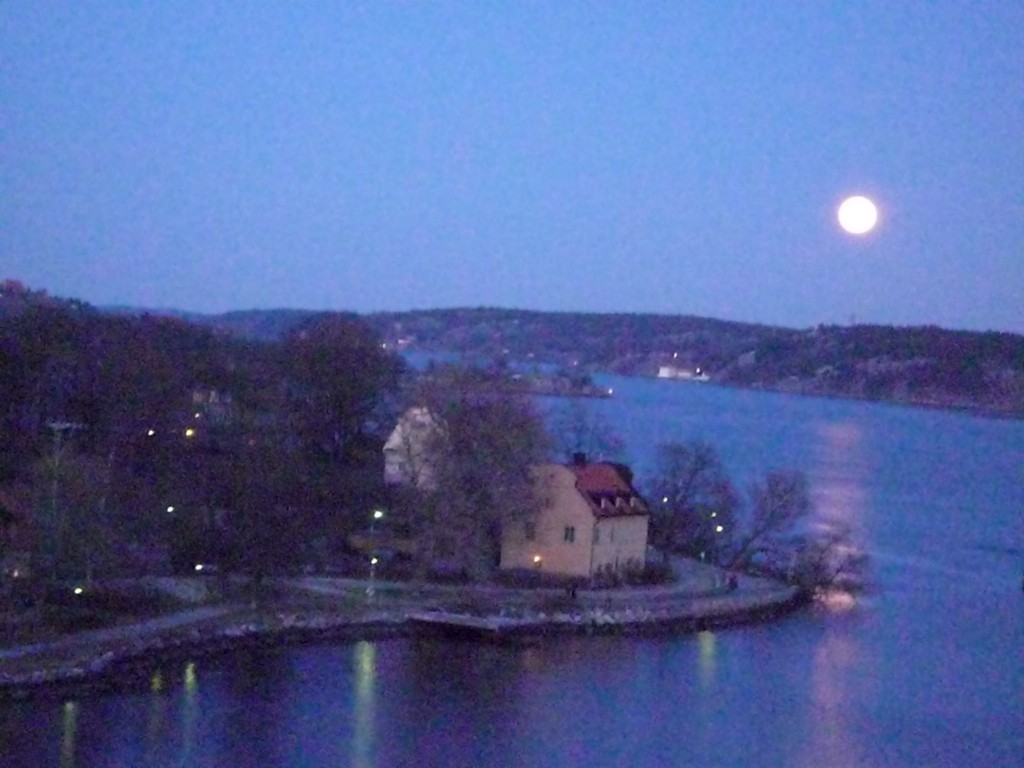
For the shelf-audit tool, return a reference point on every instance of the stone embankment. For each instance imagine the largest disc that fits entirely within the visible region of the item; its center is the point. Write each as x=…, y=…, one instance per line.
x=104, y=658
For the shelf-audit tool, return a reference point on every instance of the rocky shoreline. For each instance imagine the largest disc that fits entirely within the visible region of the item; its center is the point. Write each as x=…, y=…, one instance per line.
x=112, y=663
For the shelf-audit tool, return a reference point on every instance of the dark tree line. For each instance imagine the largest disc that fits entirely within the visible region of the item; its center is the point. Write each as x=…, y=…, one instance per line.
x=137, y=440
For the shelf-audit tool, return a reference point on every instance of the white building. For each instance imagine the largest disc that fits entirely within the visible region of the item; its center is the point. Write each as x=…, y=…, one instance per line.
x=406, y=459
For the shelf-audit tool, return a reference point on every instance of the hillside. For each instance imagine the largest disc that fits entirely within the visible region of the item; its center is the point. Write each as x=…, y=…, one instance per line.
x=915, y=365
x=923, y=365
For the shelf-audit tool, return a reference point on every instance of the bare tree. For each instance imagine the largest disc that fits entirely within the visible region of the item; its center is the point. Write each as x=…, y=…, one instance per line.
x=828, y=559
x=481, y=456
x=576, y=427
x=693, y=501
x=778, y=504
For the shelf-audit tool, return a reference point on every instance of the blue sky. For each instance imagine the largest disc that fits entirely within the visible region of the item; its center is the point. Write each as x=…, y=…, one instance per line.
x=672, y=157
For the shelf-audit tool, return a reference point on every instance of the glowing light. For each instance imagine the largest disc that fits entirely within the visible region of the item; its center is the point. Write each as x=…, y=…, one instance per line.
x=78, y=590
x=197, y=414
x=707, y=659
x=377, y=514
x=151, y=432
x=373, y=561
x=719, y=529
x=190, y=432
x=857, y=215
x=664, y=499
x=199, y=567
x=170, y=509
x=536, y=559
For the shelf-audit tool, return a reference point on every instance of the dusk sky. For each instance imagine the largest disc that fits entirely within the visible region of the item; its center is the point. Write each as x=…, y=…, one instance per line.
x=671, y=157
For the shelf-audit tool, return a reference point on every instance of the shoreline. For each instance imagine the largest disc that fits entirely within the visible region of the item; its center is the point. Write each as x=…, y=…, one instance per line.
x=969, y=409
x=85, y=670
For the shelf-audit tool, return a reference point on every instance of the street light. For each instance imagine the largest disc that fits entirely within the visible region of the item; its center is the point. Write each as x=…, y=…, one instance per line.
x=378, y=514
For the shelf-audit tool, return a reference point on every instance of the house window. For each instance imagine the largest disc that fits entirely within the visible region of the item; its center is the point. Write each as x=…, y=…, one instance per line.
x=570, y=534
x=529, y=531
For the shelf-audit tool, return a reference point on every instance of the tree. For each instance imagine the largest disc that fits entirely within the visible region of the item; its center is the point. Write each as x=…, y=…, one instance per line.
x=778, y=504
x=77, y=533
x=6, y=526
x=828, y=559
x=340, y=379
x=483, y=452
x=578, y=428
x=693, y=502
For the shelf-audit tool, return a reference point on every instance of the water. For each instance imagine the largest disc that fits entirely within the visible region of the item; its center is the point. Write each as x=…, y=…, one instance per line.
x=928, y=672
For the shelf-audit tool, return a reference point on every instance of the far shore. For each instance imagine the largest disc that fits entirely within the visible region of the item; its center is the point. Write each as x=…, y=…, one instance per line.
x=323, y=609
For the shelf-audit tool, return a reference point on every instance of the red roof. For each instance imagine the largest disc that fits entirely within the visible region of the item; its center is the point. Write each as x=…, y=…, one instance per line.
x=600, y=478
x=608, y=491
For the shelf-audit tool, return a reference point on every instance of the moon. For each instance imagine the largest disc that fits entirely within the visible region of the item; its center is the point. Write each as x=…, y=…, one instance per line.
x=857, y=215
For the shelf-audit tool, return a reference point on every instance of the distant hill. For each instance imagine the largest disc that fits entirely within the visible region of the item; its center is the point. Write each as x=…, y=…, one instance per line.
x=256, y=324
x=916, y=365
x=16, y=298
x=922, y=365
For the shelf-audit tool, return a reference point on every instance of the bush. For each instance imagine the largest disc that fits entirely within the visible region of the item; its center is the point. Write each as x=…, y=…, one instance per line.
x=529, y=578
x=632, y=573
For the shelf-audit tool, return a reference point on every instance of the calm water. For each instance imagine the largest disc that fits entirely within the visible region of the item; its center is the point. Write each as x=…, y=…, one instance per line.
x=929, y=672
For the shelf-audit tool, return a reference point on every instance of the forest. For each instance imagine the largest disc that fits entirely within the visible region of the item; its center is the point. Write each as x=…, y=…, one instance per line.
x=134, y=444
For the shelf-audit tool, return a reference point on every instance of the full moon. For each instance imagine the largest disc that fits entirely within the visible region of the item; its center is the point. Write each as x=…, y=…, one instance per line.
x=857, y=215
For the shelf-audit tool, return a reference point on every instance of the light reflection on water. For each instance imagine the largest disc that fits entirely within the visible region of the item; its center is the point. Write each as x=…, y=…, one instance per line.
x=706, y=667
x=69, y=726
x=364, y=732
x=840, y=474
x=189, y=713
x=834, y=739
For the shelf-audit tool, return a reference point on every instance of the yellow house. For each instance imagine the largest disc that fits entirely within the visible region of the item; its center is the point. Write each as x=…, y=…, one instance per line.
x=590, y=517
